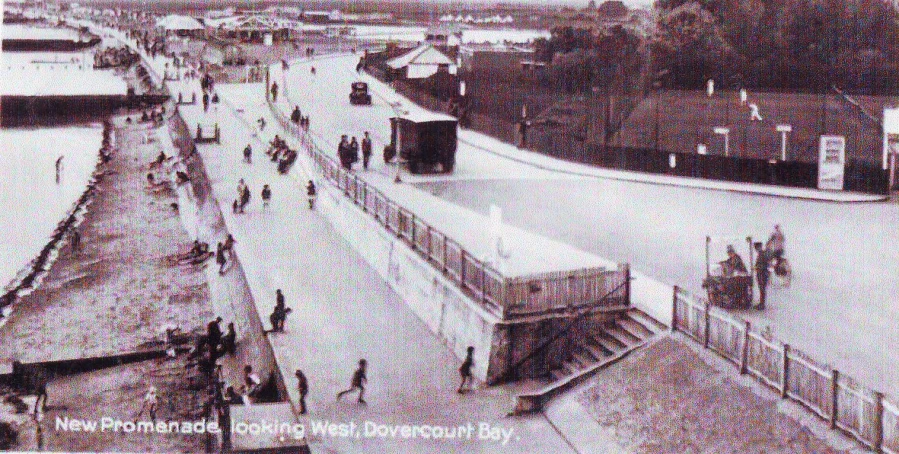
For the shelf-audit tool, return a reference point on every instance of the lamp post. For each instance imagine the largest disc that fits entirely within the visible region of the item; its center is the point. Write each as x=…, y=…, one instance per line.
x=726, y=133
x=783, y=130
x=658, y=89
x=709, y=91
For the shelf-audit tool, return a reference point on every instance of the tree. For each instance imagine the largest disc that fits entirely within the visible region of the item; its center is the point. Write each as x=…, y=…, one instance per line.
x=689, y=43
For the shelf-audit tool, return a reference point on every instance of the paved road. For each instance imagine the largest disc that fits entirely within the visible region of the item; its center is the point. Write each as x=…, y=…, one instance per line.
x=843, y=301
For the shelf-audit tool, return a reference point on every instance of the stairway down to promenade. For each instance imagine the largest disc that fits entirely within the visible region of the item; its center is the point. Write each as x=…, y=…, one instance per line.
x=627, y=331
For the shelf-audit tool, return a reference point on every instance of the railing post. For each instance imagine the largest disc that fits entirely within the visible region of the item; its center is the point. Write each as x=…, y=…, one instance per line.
x=365, y=197
x=708, y=323
x=834, y=397
x=878, y=421
x=445, y=258
x=414, y=244
x=744, y=356
x=785, y=376
x=674, y=311
x=430, y=240
x=483, y=282
x=462, y=268
x=627, y=285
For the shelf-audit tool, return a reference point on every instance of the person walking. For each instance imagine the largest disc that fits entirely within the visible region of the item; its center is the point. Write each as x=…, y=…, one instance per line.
x=241, y=185
x=229, y=246
x=244, y=198
x=310, y=194
x=762, y=273
x=220, y=258
x=248, y=154
x=274, y=92
x=358, y=382
x=58, y=169
x=303, y=388
x=465, y=370
x=150, y=403
x=366, y=150
x=296, y=115
x=266, y=196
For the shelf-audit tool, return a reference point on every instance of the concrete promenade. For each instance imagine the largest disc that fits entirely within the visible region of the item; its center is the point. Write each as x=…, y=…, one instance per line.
x=342, y=309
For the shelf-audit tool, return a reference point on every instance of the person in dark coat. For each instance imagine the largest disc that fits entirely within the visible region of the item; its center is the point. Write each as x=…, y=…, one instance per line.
x=274, y=92
x=229, y=340
x=214, y=336
x=734, y=264
x=248, y=154
x=465, y=370
x=303, y=388
x=354, y=150
x=244, y=198
x=762, y=273
x=266, y=196
x=279, y=314
x=220, y=258
x=344, y=153
x=296, y=116
x=366, y=150
x=310, y=194
x=358, y=382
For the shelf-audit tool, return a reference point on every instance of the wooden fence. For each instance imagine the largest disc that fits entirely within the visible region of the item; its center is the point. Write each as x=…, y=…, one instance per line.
x=594, y=288
x=867, y=415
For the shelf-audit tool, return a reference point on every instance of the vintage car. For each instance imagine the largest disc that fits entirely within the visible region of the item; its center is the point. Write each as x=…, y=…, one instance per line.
x=359, y=94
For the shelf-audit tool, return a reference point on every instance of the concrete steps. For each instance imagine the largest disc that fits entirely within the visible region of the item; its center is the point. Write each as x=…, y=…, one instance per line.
x=629, y=331
x=592, y=353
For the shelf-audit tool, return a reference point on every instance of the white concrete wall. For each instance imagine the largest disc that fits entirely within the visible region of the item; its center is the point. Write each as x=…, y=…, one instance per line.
x=437, y=301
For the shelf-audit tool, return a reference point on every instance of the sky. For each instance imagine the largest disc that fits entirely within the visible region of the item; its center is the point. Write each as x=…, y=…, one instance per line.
x=572, y=3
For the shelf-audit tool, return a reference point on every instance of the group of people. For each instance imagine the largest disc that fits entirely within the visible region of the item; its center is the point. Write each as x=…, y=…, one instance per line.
x=280, y=153
x=348, y=151
x=360, y=378
x=251, y=389
x=298, y=119
x=197, y=254
x=768, y=256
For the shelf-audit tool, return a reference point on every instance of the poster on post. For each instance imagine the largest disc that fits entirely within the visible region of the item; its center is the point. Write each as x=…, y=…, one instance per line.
x=831, y=162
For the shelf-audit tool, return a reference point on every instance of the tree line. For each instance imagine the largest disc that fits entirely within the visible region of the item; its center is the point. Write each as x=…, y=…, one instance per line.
x=797, y=45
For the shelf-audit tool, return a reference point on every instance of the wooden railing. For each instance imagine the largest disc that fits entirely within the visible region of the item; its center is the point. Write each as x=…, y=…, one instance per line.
x=593, y=288
x=867, y=415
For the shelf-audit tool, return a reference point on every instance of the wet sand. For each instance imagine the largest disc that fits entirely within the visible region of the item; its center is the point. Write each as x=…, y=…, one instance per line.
x=116, y=294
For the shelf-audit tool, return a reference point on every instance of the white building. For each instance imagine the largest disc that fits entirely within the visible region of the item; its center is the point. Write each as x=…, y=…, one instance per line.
x=422, y=62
